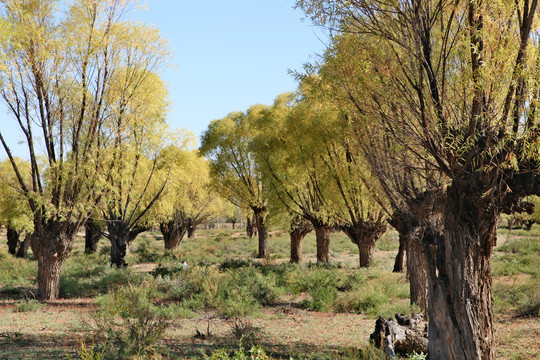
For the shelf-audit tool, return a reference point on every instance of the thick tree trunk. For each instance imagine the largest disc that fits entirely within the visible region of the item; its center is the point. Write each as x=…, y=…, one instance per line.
x=51, y=242
x=400, y=257
x=322, y=236
x=22, y=251
x=260, y=222
x=92, y=234
x=365, y=235
x=459, y=278
x=298, y=231
x=13, y=242
x=417, y=273
x=173, y=232
x=119, y=238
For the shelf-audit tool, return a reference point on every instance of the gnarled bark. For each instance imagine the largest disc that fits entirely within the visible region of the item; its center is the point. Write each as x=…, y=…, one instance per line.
x=298, y=231
x=365, y=234
x=173, y=232
x=51, y=242
x=322, y=236
x=459, y=278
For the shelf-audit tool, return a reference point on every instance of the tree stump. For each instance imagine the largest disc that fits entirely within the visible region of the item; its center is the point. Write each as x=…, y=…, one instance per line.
x=403, y=335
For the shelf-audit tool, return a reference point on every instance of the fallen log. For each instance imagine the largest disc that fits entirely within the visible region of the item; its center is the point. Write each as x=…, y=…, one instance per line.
x=402, y=335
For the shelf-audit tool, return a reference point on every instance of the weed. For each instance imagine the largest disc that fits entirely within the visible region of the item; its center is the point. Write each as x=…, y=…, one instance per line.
x=27, y=305
x=254, y=353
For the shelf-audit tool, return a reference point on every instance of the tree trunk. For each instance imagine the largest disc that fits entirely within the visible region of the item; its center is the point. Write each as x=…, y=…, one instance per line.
x=92, y=234
x=400, y=257
x=365, y=234
x=192, y=228
x=173, y=233
x=260, y=222
x=52, y=243
x=459, y=279
x=409, y=226
x=250, y=226
x=298, y=230
x=13, y=242
x=322, y=236
x=417, y=273
x=22, y=251
x=119, y=237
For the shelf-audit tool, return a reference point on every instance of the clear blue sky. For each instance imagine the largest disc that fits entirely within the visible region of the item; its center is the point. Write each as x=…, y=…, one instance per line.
x=228, y=56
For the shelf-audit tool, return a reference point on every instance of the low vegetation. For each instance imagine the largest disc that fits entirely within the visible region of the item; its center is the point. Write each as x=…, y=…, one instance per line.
x=212, y=295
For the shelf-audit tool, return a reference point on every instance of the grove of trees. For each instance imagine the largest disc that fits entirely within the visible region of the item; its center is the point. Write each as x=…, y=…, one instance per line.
x=421, y=115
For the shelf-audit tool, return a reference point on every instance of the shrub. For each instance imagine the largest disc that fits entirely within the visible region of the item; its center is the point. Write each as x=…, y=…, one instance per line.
x=27, y=305
x=320, y=283
x=129, y=321
x=254, y=353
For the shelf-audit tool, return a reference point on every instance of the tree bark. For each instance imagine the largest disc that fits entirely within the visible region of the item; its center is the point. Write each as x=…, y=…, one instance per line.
x=173, y=232
x=22, y=251
x=260, y=222
x=400, y=257
x=322, y=236
x=298, y=231
x=119, y=237
x=365, y=234
x=417, y=273
x=459, y=279
x=52, y=243
x=92, y=234
x=13, y=242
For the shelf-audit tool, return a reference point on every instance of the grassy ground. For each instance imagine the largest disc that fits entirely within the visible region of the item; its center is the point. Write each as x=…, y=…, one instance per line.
x=300, y=311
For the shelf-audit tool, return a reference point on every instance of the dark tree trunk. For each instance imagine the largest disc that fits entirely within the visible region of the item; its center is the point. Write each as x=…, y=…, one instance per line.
x=365, y=235
x=22, y=251
x=191, y=231
x=400, y=257
x=260, y=222
x=92, y=234
x=459, y=278
x=322, y=236
x=51, y=242
x=298, y=230
x=173, y=232
x=119, y=237
x=250, y=226
x=13, y=242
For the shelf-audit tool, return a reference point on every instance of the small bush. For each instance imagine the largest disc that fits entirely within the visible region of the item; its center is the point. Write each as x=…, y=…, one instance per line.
x=368, y=352
x=27, y=305
x=129, y=321
x=321, y=285
x=254, y=353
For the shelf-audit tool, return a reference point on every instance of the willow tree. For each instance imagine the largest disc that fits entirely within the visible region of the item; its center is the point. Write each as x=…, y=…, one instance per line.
x=352, y=192
x=294, y=173
x=134, y=137
x=58, y=60
x=341, y=79
x=189, y=198
x=233, y=166
x=463, y=104
x=15, y=214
